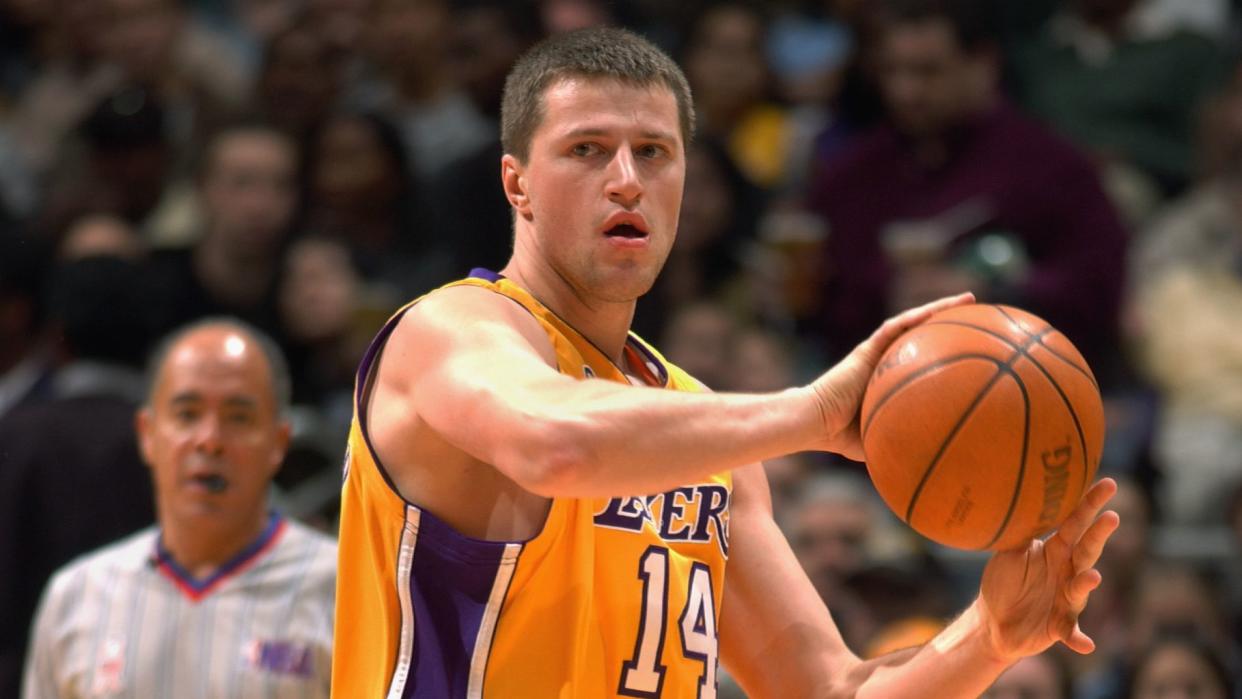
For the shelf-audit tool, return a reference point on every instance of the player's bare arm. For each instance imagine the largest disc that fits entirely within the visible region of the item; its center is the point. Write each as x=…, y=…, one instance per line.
x=786, y=644
x=488, y=389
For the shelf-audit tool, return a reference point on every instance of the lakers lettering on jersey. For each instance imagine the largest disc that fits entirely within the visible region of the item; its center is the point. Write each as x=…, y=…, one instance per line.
x=614, y=597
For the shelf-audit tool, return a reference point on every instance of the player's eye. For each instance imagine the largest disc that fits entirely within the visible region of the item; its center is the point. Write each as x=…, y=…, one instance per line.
x=584, y=150
x=651, y=150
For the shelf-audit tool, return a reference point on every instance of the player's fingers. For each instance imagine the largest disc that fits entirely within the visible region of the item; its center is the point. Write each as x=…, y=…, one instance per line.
x=1072, y=529
x=875, y=345
x=914, y=316
x=1081, y=586
x=1089, y=547
x=1078, y=641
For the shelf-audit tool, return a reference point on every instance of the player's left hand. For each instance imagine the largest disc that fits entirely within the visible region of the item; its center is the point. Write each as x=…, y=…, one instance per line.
x=1031, y=597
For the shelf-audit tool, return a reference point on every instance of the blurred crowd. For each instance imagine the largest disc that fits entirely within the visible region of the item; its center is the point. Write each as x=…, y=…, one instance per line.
x=309, y=165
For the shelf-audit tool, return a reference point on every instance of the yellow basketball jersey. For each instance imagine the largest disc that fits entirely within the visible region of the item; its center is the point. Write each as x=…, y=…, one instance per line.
x=614, y=597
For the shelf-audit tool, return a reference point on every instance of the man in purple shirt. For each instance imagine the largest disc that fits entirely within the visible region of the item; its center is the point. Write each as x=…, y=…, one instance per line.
x=958, y=190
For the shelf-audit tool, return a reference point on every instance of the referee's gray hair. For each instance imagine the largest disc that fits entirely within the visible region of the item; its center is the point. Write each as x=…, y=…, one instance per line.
x=278, y=367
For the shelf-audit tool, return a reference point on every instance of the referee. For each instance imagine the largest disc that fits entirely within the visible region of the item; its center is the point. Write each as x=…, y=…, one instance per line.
x=224, y=598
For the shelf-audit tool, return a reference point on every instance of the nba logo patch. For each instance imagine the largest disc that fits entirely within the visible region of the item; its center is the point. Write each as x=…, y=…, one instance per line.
x=345, y=465
x=109, y=668
x=587, y=373
x=279, y=657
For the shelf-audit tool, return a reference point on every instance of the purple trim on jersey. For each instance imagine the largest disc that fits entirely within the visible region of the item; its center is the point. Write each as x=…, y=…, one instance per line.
x=647, y=354
x=197, y=588
x=360, y=392
x=451, y=581
x=486, y=274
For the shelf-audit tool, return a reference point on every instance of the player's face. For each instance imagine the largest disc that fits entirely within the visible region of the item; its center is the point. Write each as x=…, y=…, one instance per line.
x=211, y=435
x=602, y=185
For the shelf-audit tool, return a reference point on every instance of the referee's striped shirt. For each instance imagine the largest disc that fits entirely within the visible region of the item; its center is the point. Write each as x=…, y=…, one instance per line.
x=127, y=621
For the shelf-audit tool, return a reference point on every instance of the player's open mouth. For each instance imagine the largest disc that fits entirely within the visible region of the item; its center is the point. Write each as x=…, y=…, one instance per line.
x=625, y=230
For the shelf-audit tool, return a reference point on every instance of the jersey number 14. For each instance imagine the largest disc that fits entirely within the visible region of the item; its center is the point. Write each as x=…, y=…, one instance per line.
x=643, y=675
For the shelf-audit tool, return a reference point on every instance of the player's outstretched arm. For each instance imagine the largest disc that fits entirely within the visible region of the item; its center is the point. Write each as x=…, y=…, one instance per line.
x=488, y=387
x=778, y=640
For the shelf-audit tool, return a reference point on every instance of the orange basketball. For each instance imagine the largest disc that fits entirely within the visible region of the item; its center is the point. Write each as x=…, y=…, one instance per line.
x=982, y=427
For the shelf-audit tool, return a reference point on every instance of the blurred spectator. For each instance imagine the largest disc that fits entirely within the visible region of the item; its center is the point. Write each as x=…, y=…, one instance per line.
x=787, y=477
x=1187, y=272
x=809, y=50
x=342, y=23
x=717, y=222
x=1182, y=665
x=961, y=192
x=1173, y=595
x=1107, y=620
x=69, y=77
x=726, y=65
x=361, y=190
x=321, y=297
x=25, y=360
x=1170, y=597
x=71, y=478
x=189, y=69
x=837, y=529
x=120, y=163
x=1042, y=676
x=300, y=80
x=1123, y=83
x=247, y=183
x=101, y=235
x=699, y=338
x=486, y=38
x=763, y=361
x=471, y=213
x=408, y=44
x=245, y=26
x=561, y=16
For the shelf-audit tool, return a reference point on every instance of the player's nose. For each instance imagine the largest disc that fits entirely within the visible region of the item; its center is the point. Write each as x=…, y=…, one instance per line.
x=625, y=185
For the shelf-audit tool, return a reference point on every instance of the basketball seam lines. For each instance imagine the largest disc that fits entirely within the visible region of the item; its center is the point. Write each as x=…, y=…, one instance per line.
x=1011, y=343
x=1051, y=351
x=915, y=376
x=1082, y=438
x=1001, y=369
x=1026, y=445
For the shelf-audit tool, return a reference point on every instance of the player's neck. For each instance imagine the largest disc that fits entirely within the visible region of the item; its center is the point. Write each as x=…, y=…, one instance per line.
x=605, y=324
x=202, y=549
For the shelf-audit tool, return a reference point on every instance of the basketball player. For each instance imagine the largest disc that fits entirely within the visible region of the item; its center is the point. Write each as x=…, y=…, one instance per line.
x=224, y=598
x=537, y=504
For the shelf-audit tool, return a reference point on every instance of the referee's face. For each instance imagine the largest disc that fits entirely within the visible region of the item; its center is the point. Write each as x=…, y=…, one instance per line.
x=212, y=434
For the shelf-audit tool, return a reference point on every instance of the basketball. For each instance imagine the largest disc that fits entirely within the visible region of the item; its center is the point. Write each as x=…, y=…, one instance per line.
x=982, y=427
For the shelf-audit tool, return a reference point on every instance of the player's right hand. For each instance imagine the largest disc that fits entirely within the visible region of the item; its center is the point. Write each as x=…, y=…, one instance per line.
x=839, y=391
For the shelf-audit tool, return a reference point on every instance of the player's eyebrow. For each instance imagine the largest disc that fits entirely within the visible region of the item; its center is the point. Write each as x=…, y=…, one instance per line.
x=241, y=402
x=648, y=134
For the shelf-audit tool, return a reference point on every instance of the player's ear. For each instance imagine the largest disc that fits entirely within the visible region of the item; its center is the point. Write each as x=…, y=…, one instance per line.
x=513, y=179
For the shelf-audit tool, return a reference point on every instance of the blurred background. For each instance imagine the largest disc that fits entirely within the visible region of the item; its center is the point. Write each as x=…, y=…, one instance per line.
x=309, y=165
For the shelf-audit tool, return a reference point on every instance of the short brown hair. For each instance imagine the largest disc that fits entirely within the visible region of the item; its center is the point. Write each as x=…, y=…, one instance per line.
x=591, y=53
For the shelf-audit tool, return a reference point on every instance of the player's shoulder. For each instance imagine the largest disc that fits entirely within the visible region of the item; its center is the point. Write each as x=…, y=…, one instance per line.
x=120, y=559
x=455, y=305
x=469, y=314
